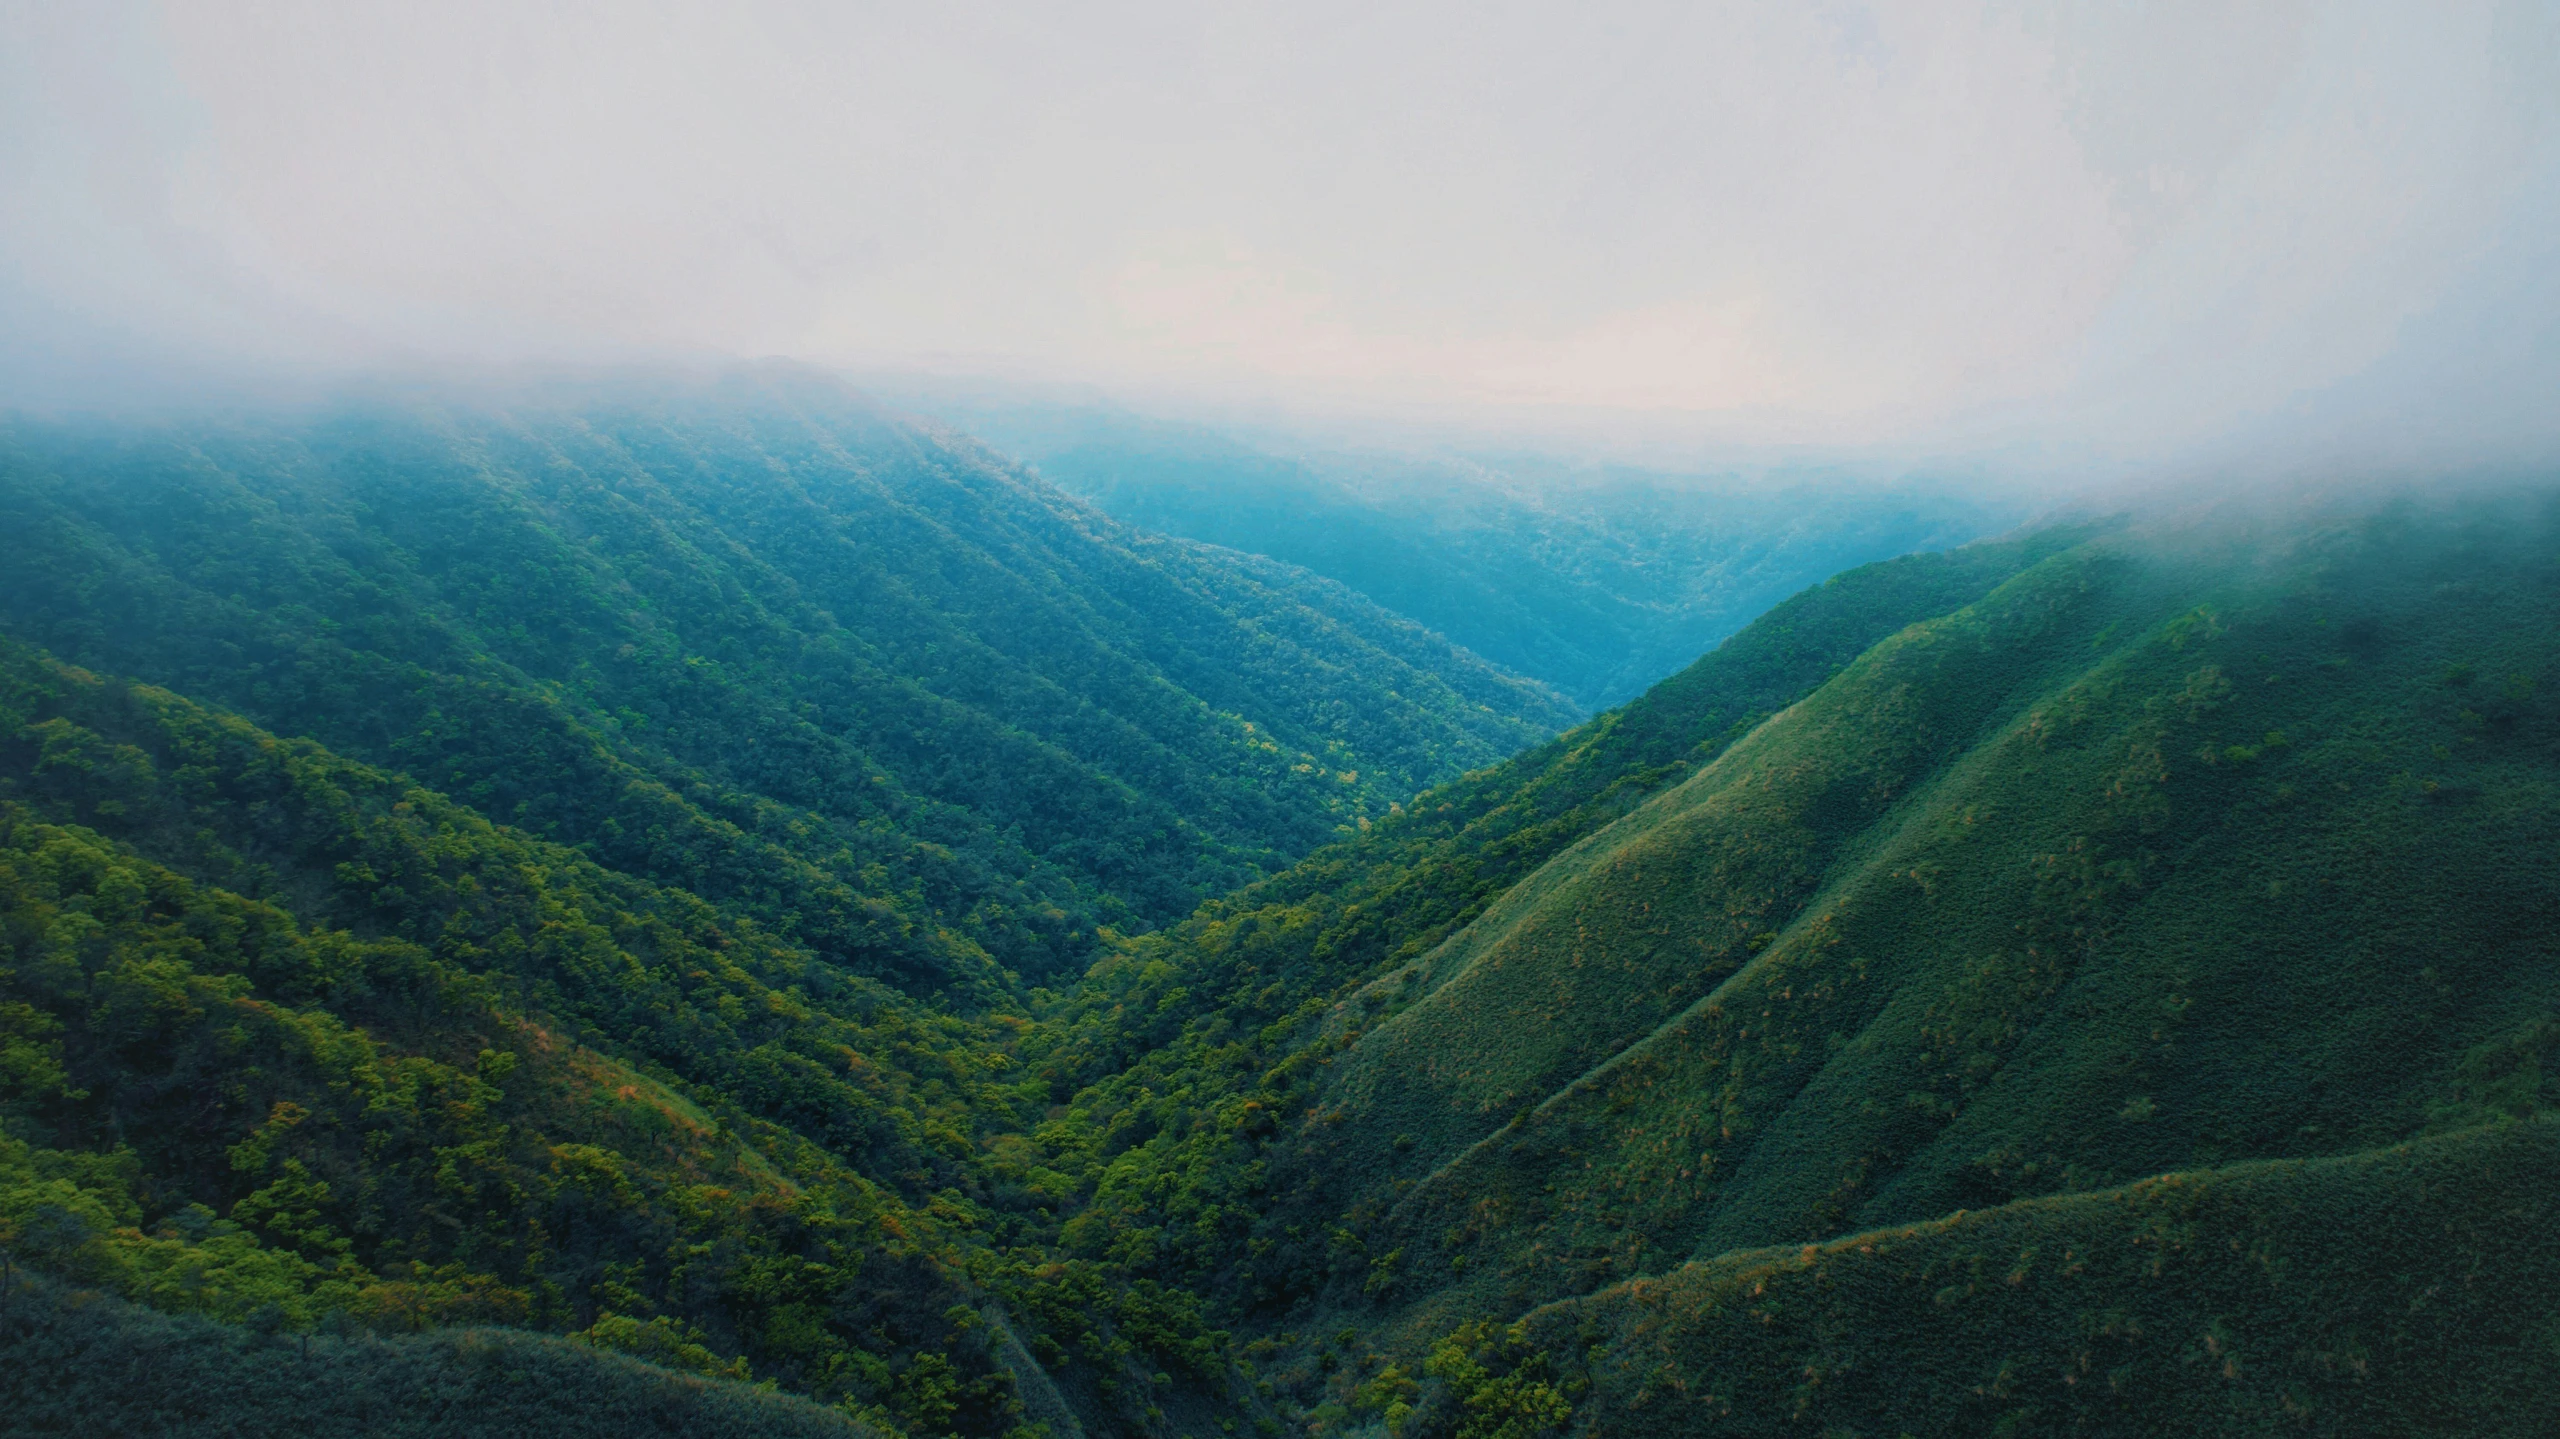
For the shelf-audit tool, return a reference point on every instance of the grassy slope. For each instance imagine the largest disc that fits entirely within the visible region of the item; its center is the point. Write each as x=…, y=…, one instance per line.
x=1626, y=929
x=2144, y=862
x=759, y=642
x=1404, y=884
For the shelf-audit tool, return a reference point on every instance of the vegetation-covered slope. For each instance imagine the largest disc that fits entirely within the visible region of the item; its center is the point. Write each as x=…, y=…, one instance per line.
x=758, y=640
x=285, y=1039
x=2179, y=849
x=1598, y=580
x=1229, y=1003
x=1801, y=1047
x=297, y=1041
x=2137, y=864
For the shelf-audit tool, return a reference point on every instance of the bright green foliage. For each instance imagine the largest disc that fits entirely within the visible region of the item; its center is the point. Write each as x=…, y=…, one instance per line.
x=679, y=1346
x=707, y=1149
x=1518, y=1403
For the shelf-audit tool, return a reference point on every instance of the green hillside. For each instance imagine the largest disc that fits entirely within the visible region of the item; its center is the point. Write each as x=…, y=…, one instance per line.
x=2181, y=848
x=2136, y=864
x=759, y=640
x=1237, y=1007
x=2106, y=980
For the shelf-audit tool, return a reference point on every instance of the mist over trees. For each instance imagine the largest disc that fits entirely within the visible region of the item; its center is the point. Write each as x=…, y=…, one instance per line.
x=1286, y=722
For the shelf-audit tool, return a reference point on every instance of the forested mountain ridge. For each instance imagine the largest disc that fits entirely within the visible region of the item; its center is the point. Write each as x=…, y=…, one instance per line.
x=2102, y=980
x=290, y=1041
x=2241, y=1300
x=759, y=639
x=459, y=1074
x=2179, y=849
x=215, y=1378
x=1238, y=1002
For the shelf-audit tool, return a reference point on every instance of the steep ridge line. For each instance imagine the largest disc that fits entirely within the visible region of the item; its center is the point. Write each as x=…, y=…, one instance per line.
x=1895, y=834
x=2153, y=912
x=1726, y=859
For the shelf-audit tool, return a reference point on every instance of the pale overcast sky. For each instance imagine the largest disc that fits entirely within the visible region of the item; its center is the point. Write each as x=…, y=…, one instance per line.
x=1799, y=219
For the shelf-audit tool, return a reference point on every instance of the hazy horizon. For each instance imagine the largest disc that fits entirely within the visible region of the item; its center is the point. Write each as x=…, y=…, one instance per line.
x=2013, y=234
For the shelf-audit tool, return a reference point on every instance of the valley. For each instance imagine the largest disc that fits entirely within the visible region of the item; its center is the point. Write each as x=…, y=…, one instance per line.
x=678, y=886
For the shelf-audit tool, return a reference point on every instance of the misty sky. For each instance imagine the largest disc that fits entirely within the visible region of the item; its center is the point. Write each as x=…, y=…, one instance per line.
x=1832, y=220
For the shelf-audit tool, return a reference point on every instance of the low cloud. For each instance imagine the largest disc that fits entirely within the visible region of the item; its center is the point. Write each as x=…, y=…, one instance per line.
x=2119, y=230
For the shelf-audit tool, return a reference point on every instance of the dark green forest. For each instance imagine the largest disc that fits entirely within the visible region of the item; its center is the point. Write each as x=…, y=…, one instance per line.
x=759, y=639
x=716, y=909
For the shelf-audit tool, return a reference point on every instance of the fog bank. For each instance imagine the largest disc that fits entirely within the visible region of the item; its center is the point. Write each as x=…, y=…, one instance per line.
x=2066, y=235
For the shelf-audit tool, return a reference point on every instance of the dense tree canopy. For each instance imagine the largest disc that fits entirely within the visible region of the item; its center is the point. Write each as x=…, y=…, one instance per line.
x=762, y=642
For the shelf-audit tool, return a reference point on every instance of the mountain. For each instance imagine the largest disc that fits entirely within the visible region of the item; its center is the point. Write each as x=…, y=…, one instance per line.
x=1596, y=579
x=755, y=638
x=2103, y=979
x=2182, y=850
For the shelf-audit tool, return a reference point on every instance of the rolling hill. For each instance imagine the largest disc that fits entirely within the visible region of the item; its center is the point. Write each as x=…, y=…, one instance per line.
x=2391, y=1291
